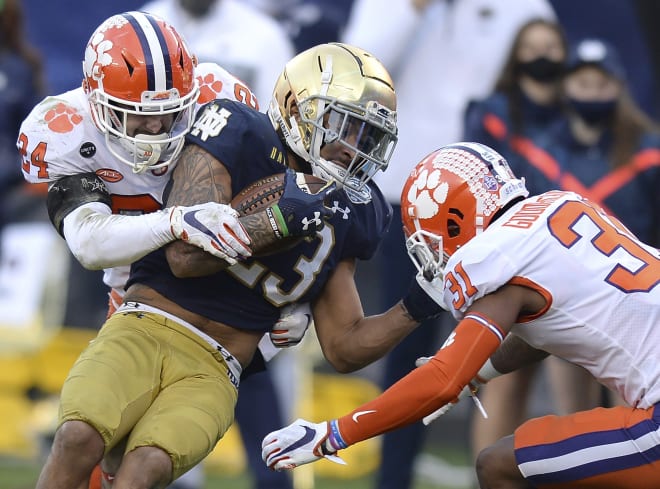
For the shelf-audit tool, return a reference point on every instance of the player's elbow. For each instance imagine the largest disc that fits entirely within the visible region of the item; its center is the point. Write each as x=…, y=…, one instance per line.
x=187, y=261
x=343, y=364
x=85, y=252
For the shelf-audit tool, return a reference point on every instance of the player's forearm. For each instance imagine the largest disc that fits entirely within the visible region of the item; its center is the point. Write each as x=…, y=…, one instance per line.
x=99, y=239
x=369, y=339
x=188, y=261
x=426, y=388
x=514, y=353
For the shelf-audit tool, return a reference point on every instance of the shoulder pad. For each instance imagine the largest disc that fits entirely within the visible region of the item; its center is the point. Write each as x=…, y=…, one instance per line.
x=69, y=193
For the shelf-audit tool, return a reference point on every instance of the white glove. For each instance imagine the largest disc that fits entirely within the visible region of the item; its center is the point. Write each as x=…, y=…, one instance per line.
x=292, y=325
x=299, y=443
x=469, y=390
x=213, y=227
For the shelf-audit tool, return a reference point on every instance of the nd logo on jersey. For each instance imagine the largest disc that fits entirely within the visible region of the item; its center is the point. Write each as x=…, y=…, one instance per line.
x=211, y=122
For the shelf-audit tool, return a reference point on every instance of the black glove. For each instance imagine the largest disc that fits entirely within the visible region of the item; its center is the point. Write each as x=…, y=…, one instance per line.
x=419, y=305
x=298, y=213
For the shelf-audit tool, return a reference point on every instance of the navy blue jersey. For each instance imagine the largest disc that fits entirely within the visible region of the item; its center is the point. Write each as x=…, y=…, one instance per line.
x=248, y=295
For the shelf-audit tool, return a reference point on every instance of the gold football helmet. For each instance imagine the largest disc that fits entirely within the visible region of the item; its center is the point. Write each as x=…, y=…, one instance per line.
x=336, y=93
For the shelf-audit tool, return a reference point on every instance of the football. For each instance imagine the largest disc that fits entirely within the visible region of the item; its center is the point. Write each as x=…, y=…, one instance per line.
x=267, y=191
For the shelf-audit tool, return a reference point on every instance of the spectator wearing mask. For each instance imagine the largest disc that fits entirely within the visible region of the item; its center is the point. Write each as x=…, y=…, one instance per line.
x=526, y=99
x=606, y=148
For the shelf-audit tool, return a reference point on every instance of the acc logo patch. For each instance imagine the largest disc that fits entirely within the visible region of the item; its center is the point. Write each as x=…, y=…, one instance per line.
x=109, y=175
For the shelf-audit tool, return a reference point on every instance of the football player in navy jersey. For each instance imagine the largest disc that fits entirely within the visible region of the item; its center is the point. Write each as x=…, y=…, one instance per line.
x=174, y=351
x=332, y=115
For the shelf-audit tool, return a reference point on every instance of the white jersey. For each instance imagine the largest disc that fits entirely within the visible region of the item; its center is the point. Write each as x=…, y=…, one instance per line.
x=59, y=138
x=600, y=282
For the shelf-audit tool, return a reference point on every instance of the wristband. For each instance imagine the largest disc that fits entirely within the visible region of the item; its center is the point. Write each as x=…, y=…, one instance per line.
x=487, y=372
x=335, y=441
x=276, y=221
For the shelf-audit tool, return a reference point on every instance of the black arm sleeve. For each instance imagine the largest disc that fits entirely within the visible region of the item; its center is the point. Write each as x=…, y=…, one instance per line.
x=70, y=192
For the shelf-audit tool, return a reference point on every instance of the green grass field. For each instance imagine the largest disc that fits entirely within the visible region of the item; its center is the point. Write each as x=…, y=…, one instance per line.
x=21, y=474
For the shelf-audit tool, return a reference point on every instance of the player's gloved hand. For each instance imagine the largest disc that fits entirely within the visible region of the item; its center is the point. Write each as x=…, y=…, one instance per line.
x=470, y=390
x=213, y=227
x=299, y=443
x=424, y=299
x=298, y=213
x=292, y=325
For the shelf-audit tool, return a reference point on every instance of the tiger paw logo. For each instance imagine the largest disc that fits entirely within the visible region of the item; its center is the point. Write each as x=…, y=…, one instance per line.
x=97, y=56
x=426, y=192
x=209, y=88
x=62, y=118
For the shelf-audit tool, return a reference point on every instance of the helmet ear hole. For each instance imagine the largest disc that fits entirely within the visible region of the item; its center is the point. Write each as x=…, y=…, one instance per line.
x=453, y=228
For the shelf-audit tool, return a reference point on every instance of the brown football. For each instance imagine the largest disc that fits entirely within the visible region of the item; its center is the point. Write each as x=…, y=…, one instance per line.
x=267, y=191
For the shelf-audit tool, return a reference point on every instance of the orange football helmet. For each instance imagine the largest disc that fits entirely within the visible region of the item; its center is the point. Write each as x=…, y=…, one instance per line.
x=136, y=63
x=451, y=196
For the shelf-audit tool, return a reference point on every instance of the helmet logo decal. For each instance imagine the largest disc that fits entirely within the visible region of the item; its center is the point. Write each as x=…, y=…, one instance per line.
x=426, y=192
x=490, y=183
x=96, y=56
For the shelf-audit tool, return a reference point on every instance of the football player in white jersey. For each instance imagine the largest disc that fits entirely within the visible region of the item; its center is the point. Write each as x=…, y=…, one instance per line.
x=107, y=150
x=553, y=274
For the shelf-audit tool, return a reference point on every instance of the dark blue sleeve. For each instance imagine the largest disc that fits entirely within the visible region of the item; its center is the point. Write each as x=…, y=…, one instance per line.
x=370, y=224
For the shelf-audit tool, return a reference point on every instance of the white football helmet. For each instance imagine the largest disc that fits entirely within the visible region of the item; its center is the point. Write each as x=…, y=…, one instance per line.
x=136, y=63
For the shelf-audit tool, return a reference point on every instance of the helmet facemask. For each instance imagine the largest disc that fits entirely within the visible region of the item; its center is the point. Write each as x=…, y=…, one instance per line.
x=368, y=133
x=144, y=151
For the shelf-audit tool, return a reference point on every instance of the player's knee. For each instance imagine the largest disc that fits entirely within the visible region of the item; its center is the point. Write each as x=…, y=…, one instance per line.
x=487, y=464
x=496, y=466
x=79, y=439
x=146, y=467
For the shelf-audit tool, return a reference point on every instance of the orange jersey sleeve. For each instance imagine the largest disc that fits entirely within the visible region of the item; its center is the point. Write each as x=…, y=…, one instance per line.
x=429, y=387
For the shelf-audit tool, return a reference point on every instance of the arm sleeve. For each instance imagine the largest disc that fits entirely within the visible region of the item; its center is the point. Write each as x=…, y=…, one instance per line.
x=99, y=239
x=429, y=387
x=79, y=206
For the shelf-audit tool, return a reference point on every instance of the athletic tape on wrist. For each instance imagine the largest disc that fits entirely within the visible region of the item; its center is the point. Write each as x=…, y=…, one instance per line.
x=487, y=372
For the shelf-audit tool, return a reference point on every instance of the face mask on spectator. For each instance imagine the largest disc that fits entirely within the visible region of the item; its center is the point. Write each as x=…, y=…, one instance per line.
x=542, y=69
x=593, y=112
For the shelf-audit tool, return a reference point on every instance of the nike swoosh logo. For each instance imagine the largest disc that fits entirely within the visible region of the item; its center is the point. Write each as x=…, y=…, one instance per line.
x=303, y=440
x=190, y=218
x=361, y=413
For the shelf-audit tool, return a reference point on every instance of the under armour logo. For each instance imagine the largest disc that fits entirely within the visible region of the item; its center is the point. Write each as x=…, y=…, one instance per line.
x=344, y=212
x=316, y=221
